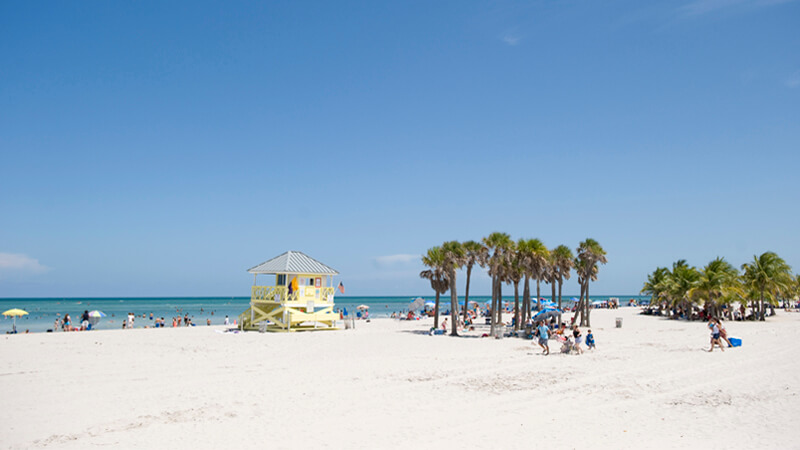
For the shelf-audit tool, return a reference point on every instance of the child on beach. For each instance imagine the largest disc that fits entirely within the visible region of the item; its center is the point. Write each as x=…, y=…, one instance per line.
x=590, y=340
x=566, y=347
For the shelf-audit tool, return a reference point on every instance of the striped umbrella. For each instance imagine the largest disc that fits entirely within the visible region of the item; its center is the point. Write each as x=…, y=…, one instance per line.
x=95, y=316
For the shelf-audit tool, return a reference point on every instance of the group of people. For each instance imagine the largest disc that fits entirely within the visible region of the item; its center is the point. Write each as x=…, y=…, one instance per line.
x=65, y=323
x=177, y=321
x=544, y=332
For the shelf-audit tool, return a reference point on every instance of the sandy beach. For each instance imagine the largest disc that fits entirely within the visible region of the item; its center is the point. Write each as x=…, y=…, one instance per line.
x=387, y=384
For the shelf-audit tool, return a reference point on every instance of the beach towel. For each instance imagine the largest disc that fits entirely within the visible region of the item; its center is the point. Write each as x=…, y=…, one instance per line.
x=735, y=342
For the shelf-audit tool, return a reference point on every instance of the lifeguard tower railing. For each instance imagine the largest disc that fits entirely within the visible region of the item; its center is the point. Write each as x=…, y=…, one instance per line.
x=275, y=309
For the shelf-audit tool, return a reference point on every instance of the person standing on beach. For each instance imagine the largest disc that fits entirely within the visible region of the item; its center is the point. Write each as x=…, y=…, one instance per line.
x=227, y=322
x=723, y=334
x=576, y=333
x=714, y=336
x=543, y=337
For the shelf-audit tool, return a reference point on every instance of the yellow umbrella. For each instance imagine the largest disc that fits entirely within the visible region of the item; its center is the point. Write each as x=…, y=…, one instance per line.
x=15, y=312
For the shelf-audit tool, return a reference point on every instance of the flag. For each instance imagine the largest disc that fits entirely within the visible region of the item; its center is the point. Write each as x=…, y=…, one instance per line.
x=341, y=287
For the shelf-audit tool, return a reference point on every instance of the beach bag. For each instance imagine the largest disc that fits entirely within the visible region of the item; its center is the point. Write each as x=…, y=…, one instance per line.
x=735, y=342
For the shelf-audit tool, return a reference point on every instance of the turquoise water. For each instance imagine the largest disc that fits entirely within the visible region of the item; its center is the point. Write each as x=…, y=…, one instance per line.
x=44, y=311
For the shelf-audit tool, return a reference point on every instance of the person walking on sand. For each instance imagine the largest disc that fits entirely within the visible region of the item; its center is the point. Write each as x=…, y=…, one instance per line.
x=590, y=340
x=714, y=336
x=576, y=333
x=543, y=337
x=723, y=334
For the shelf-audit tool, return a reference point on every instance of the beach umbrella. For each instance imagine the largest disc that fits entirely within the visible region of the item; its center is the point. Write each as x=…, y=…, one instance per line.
x=95, y=316
x=14, y=313
x=546, y=315
x=363, y=307
x=417, y=304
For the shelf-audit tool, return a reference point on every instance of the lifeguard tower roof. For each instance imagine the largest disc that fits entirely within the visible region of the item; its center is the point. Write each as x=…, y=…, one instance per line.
x=293, y=262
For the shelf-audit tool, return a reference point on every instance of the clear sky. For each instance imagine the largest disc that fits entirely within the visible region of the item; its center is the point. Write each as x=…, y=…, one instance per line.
x=163, y=148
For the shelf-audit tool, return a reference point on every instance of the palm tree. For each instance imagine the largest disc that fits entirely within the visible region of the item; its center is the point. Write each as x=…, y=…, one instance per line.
x=434, y=259
x=498, y=244
x=551, y=275
x=534, y=257
x=583, y=301
x=525, y=255
x=680, y=282
x=454, y=258
x=655, y=286
x=539, y=262
x=563, y=262
x=515, y=273
x=716, y=278
x=768, y=275
x=475, y=254
x=590, y=253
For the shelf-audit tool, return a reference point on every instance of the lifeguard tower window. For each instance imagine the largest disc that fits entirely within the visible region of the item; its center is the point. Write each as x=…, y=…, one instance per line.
x=310, y=282
x=281, y=280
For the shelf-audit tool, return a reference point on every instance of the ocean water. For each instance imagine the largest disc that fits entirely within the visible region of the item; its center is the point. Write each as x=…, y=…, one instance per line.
x=43, y=312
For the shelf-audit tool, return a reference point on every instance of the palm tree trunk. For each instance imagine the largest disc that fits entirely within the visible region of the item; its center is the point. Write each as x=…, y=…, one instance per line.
x=516, y=306
x=538, y=296
x=436, y=311
x=761, y=306
x=587, y=321
x=453, y=304
x=560, y=282
x=466, y=292
x=500, y=303
x=493, y=312
x=526, y=300
x=579, y=306
x=553, y=291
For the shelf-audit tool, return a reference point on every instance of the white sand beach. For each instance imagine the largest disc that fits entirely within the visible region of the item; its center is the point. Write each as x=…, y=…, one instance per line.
x=387, y=384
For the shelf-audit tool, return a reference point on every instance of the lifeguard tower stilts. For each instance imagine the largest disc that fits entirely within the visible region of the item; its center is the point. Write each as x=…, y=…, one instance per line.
x=301, y=299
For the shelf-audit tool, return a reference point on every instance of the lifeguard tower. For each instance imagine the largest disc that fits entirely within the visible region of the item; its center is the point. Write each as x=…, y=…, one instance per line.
x=301, y=299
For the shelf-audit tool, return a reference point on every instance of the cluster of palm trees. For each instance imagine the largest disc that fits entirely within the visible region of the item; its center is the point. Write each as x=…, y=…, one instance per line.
x=766, y=280
x=511, y=262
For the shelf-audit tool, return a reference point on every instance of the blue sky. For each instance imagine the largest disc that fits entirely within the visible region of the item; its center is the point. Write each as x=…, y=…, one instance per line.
x=162, y=148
